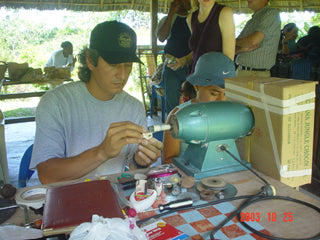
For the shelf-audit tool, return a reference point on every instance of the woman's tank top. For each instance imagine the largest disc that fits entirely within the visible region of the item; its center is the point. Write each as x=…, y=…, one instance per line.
x=206, y=36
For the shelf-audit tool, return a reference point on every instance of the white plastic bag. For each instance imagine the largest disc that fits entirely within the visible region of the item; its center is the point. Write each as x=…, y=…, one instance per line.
x=107, y=229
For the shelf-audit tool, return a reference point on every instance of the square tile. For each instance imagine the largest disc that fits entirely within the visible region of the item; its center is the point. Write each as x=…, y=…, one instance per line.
x=202, y=226
x=192, y=216
x=218, y=219
x=225, y=207
x=187, y=229
x=175, y=220
x=197, y=237
x=209, y=212
x=233, y=231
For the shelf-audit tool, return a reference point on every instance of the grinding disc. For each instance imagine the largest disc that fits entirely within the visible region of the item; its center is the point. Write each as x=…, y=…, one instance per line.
x=207, y=194
x=200, y=187
x=187, y=181
x=6, y=214
x=214, y=183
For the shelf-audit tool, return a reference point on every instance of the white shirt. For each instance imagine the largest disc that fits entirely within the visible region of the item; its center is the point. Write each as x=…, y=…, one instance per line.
x=58, y=60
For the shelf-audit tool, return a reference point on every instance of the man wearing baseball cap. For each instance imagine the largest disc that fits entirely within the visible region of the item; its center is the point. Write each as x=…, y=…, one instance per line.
x=208, y=80
x=92, y=127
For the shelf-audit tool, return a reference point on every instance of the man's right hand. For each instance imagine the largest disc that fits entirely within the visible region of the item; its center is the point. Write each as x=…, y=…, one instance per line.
x=119, y=134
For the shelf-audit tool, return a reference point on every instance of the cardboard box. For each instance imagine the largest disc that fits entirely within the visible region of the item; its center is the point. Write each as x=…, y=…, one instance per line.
x=281, y=145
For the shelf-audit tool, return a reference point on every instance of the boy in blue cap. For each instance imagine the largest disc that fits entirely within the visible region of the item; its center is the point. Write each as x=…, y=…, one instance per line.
x=208, y=80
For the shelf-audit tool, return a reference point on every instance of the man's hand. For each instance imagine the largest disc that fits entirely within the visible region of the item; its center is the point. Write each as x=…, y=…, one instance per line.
x=176, y=64
x=148, y=152
x=119, y=134
x=174, y=6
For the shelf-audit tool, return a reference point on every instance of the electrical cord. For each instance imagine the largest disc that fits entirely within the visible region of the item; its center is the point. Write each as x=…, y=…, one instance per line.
x=223, y=148
x=247, y=203
x=267, y=192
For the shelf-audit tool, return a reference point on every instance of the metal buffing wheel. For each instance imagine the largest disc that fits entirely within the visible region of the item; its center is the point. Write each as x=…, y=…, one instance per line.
x=214, y=183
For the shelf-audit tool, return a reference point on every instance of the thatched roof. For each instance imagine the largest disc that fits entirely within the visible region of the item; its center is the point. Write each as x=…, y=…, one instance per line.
x=239, y=6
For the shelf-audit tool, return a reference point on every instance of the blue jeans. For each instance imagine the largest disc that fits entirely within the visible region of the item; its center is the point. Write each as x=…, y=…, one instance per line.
x=172, y=83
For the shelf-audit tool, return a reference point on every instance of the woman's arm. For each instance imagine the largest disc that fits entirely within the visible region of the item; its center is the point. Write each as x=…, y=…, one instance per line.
x=227, y=27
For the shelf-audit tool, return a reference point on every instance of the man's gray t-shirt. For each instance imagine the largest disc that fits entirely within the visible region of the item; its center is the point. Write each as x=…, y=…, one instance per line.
x=69, y=121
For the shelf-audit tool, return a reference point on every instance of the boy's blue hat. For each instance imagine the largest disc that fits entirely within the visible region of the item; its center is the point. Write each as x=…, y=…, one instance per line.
x=211, y=69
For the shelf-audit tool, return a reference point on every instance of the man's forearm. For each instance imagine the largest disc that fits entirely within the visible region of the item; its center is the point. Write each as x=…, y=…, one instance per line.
x=164, y=30
x=65, y=169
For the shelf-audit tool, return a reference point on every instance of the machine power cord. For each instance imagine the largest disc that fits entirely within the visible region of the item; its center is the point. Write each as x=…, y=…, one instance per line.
x=267, y=192
x=223, y=148
x=246, y=204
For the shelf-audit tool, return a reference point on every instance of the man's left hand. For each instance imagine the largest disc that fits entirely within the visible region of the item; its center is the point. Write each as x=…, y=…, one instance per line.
x=148, y=152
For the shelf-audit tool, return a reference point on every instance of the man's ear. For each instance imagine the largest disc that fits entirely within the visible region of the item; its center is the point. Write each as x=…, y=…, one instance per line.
x=196, y=87
x=89, y=61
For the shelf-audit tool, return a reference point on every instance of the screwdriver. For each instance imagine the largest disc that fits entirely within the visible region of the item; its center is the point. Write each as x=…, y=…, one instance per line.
x=173, y=205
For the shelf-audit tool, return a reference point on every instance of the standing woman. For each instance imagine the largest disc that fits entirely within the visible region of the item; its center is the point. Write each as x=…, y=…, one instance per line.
x=212, y=29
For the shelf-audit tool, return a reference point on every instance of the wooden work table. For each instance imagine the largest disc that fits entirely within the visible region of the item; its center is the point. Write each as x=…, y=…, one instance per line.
x=281, y=218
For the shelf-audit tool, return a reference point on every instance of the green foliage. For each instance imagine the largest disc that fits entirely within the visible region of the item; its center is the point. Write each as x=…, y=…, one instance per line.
x=20, y=112
x=28, y=36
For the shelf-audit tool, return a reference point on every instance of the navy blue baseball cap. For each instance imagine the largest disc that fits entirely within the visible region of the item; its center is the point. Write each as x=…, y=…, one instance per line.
x=115, y=42
x=211, y=69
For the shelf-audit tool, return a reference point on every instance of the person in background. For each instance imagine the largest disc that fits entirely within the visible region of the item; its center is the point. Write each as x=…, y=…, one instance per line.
x=187, y=92
x=156, y=79
x=289, y=34
x=63, y=58
x=311, y=40
x=257, y=44
x=208, y=80
x=213, y=29
x=90, y=128
x=174, y=29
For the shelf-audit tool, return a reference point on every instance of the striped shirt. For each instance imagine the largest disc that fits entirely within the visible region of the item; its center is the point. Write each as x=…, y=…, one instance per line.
x=268, y=21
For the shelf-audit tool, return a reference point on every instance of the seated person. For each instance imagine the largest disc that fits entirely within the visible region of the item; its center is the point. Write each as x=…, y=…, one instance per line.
x=90, y=128
x=208, y=81
x=63, y=58
x=289, y=34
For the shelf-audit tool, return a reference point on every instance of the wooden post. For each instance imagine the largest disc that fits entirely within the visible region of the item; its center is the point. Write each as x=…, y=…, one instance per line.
x=4, y=175
x=154, y=24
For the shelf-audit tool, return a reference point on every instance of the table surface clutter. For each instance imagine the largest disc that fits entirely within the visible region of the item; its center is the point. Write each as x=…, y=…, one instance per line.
x=277, y=217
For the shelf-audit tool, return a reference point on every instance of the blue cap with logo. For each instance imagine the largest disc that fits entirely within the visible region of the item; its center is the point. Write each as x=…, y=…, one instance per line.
x=211, y=69
x=115, y=42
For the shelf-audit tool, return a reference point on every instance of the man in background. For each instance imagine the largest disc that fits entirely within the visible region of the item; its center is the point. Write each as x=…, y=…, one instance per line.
x=257, y=44
x=175, y=30
x=63, y=58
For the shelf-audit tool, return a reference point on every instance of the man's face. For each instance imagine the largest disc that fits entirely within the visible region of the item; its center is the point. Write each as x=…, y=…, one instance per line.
x=210, y=93
x=256, y=5
x=67, y=51
x=108, y=79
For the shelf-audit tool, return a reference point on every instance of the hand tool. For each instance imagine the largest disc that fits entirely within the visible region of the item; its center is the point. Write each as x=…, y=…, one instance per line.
x=173, y=205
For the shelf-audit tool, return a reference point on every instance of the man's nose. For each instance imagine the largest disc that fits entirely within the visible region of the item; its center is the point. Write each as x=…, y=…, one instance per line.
x=121, y=71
